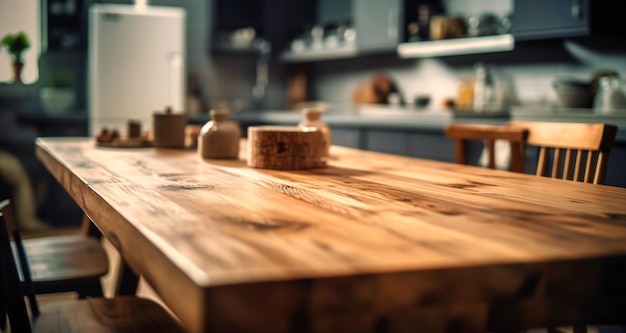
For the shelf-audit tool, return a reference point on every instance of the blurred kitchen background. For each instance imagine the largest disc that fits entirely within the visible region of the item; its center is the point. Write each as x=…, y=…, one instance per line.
x=332, y=46
x=410, y=65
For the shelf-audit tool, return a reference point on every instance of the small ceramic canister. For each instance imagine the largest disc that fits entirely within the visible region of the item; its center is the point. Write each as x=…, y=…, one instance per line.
x=169, y=129
x=219, y=138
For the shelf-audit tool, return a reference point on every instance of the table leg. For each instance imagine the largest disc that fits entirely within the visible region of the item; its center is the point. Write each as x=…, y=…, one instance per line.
x=127, y=280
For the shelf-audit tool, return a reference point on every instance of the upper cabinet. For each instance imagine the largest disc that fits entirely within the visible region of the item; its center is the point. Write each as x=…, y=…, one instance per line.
x=347, y=28
x=256, y=25
x=540, y=19
x=63, y=24
x=378, y=24
x=312, y=30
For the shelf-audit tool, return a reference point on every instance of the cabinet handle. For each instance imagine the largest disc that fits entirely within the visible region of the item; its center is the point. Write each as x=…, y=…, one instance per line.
x=392, y=23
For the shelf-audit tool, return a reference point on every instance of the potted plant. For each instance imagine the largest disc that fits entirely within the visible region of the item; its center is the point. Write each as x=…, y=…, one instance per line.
x=57, y=94
x=16, y=44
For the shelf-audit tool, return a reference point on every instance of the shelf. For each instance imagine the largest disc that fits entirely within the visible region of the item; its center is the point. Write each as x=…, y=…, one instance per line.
x=256, y=46
x=457, y=46
x=342, y=52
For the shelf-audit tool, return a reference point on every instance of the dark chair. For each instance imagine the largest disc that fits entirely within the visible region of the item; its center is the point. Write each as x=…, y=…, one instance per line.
x=70, y=263
x=120, y=314
x=61, y=263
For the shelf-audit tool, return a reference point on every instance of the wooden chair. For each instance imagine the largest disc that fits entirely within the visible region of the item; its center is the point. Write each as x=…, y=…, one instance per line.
x=121, y=314
x=62, y=263
x=70, y=263
x=580, y=150
x=462, y=133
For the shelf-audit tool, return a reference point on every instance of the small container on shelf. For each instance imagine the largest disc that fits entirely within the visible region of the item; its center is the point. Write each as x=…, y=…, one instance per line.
x=610, y=95
x=219, y=138
x=313, y=119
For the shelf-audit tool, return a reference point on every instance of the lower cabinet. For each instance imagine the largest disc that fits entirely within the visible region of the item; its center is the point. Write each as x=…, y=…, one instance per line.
x=428, y=144
x=347, y=137
x=392, y=142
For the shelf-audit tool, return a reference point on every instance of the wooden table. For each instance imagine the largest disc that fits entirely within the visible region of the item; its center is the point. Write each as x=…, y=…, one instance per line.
x=372, y=243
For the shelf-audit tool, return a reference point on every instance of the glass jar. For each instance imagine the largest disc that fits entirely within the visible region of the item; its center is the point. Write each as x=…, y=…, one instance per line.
x=610, y=95
x=313, y=118
x=219, y=138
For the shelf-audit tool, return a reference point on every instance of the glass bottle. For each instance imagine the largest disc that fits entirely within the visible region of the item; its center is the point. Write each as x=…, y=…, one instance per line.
x=219, y=138
x=483, y=88
x=424, y=14
x=313, y=118
x=610, y=95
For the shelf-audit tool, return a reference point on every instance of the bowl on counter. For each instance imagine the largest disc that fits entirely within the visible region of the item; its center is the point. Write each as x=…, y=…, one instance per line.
x=573, y=93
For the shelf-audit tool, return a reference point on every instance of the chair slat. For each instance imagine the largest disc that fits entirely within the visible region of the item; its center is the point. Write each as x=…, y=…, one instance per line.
x=601, y=167
x=568, y=164
x=542, y=163
x=581, y=155
x=491, y=152
x=556, y=164
x=588, y=168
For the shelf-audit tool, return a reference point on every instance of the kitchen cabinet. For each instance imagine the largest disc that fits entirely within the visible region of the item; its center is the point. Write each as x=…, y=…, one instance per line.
x=347, y=137
x=540, y=19
x=274, y=21
x=62, y=25
x=433, y=145
x=377, y=24
x=385, y=141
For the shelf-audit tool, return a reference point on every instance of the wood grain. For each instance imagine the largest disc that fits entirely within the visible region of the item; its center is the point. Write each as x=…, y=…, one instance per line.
x=284, y=147
x=373, y=242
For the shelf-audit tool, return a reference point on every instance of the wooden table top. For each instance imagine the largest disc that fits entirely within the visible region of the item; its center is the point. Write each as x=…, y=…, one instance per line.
x=220, y=241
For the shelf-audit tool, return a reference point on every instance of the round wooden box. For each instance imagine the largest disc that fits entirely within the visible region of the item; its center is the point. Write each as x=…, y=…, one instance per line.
x=284, y=147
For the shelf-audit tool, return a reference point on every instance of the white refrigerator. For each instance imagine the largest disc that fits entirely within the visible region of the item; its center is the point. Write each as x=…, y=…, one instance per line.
x=136, y=60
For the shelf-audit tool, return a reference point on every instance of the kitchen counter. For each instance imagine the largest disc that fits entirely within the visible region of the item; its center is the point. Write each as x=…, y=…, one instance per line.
x=421, y=133
x=378, y=117
x=428, y=120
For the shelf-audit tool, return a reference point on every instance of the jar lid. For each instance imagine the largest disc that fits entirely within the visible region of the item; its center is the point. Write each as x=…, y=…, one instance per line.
x=312, y=113
x=219, y=114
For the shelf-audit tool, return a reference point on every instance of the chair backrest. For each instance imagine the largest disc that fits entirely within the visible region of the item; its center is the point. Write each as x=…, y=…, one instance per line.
x=12, y=287
x=580, y=150
x=516, y=137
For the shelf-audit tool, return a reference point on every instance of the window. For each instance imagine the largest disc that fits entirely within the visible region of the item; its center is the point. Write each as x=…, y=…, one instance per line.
x=20, y=15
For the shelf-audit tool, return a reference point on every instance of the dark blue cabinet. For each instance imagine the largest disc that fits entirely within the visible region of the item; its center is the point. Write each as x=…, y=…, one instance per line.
x=540, y=19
